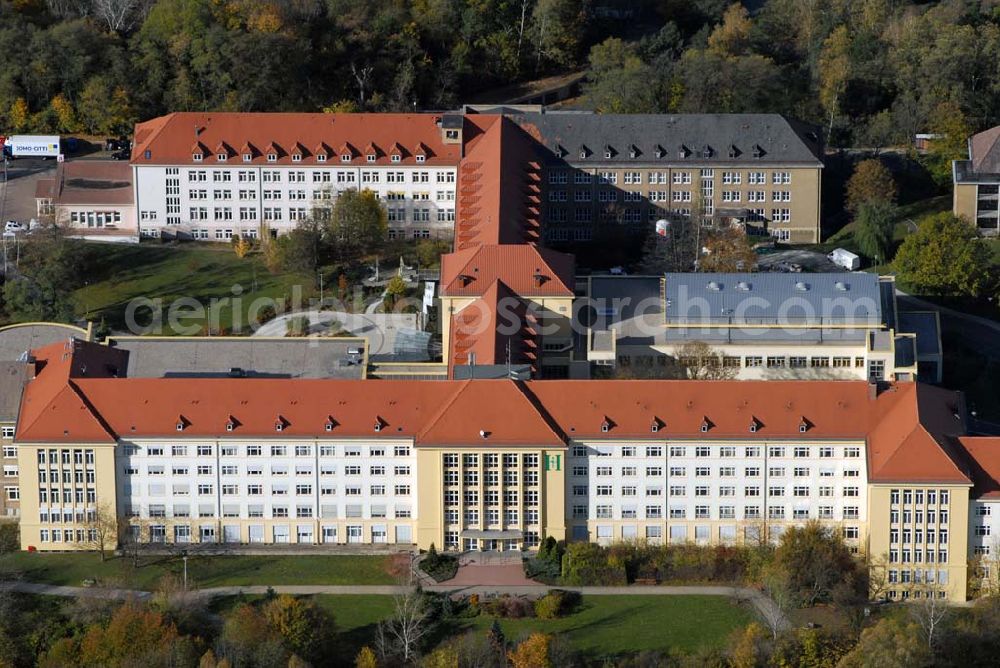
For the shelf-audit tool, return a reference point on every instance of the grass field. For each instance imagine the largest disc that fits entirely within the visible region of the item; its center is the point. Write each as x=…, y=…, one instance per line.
x=603, y=625
x=211, y=571
x=119, y=274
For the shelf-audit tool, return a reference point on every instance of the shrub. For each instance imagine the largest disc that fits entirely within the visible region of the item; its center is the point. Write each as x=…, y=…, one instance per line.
x=557, y=603
x=510, y=607
x=265, y=314
x=589, y=564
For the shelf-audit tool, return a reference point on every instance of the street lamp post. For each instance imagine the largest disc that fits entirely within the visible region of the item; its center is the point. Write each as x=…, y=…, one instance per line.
x=185, y=557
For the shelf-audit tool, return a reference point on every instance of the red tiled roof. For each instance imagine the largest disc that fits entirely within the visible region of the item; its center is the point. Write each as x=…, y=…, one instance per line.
x=165, y=137
x=911, y=429
x=498, y=185
x=983, y=456
x=483, y=331
x=473, y=271
x=909, y=438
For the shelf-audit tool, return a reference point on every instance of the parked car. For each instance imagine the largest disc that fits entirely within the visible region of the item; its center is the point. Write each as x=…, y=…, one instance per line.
x=121, y=155
x=13, y=226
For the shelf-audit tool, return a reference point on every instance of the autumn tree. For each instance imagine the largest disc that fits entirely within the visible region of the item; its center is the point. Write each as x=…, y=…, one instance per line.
x=247, y=638
x=944, y=257
x=732, y=36
x=305, y=628
x=728, y=250
x=834, y=70
x=134, y=636
x=19, y=116
x=894, y=642
x=870, y=182
x=365, y=658
x=533, y=652
x=815, y=559
x=64, y=113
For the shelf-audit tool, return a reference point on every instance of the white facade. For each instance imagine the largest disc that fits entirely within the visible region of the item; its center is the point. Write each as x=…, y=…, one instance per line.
x=712, y=491
x=219, y=201
x=295, y=491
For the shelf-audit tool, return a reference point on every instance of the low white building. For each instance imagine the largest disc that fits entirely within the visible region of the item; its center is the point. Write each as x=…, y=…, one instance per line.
x=763, y=325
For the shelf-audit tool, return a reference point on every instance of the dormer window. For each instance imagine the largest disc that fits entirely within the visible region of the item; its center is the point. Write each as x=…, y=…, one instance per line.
x=803, y=426
x=707, y=151
x=221, y=157
x=196, y=157
x=451, y=134
x=583, y=155
x=754, y=425
x=279, y=426
x=605, y=426
x=378, y=426
x=272, y=157
x=396, y=158
x=705, y=425
x=655, y=427
x=247, y=157
x=633, y=151
x=328, y=426
x=180, y=426
x=421, y=158
x=296, y=157
x=371, y=157
x=230, y=425
x=659, y=151
x=321, y=157
x=608, y=155
x=345, y=157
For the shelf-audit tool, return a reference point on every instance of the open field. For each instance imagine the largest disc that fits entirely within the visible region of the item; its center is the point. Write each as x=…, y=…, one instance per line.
x=201, y=272
x=203, y=571
x=603, y=625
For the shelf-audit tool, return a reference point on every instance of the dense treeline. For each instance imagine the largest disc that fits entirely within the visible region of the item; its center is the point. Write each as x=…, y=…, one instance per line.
x=97, y=65
x=872, y=72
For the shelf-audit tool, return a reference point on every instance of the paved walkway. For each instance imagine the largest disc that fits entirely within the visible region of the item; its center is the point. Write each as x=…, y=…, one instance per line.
x=762, y=603
x=379, y=328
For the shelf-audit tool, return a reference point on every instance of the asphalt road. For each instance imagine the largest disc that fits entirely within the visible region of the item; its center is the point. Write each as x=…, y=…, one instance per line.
x=17, y=194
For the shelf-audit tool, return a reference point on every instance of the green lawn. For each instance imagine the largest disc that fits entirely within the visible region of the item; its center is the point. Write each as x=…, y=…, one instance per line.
x=118, y=274
x=604, y=625
x=211, y=571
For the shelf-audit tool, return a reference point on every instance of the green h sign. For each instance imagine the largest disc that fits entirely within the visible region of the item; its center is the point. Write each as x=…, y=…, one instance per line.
x=553, y=462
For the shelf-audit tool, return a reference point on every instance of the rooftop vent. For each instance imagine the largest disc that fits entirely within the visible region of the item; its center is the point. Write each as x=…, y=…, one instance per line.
x=714, y=286
x=841, y=286
x=743, y=285
x=801, y=286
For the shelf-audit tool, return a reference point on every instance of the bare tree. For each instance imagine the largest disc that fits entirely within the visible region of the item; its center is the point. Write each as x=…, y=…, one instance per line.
x=400, y=635
x=878, y=576
x=929, y=610
x=362, y=75
x=102, y=530
x=702, y=362
x=120, y=15
x=780, y=599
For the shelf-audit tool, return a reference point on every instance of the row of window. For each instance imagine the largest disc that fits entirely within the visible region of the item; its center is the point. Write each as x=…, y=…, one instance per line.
x=775, y=491
x=66, y=456
x=725, y=512
x=917, y=536
x=257, y=470
x=708, y=471
x=254, y=511
x=917, y=516
x=316, y=176
x=491, y=497
x=725, y=451
x=489, y=460
x=277, y=489
x=258, y=450
x=910, y=496
x=511, y=518
x=561, y=177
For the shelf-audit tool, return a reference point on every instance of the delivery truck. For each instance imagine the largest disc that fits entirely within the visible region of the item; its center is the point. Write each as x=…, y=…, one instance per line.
x=32, y=146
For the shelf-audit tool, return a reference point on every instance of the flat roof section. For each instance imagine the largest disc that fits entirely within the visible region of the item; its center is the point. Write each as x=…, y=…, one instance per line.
x=220, y=356
x=16, y=340
x=773, y=299
x=925, y=325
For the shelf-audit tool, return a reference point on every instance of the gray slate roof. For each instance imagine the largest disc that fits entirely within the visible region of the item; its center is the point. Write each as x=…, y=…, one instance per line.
x=13, y=376
x=696, y=139
x=773, y=298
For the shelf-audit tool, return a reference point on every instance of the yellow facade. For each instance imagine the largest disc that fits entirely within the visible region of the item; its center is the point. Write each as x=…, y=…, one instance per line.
x=964, y=201
x=86, y=487
x=899, y=514
x=526, y=481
